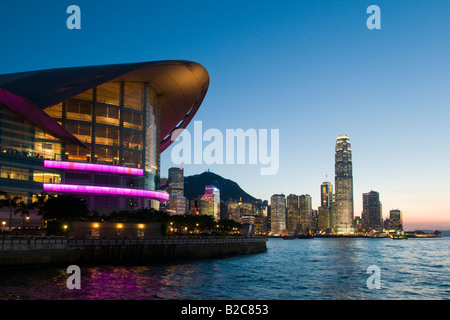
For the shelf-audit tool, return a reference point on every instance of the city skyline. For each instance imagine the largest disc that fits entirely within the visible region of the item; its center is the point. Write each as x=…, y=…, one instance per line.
x=298, y=210
x=326, y=195
x=312, y=70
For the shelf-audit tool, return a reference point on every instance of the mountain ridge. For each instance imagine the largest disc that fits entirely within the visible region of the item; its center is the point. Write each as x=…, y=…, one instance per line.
x=194, y=186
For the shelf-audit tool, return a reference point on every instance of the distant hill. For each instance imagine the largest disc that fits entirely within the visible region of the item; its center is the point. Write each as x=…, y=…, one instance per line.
x=195, y=186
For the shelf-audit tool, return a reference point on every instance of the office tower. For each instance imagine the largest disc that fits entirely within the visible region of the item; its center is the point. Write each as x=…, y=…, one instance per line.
x=278, y=214
x=233, y=211
x=95, y=132
x=237, y=210
x=324, y=219
x=387, y=224
x=358, y=224
x=292, y=213
x=203, y=206
x=178, y=205
x=371, y=214
x=175, y=188
x=396, y=219
x=261, y=220
x=324, y=212
x=305, y=208
x=175, y=182
x=212, y=195
x=326, y=194
x=343, y=218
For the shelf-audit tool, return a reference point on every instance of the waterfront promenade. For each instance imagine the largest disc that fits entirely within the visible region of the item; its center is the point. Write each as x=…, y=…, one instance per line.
x=33, y=251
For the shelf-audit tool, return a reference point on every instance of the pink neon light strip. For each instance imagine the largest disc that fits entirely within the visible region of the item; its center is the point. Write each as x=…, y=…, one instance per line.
x=111, y=191
x=66, y=165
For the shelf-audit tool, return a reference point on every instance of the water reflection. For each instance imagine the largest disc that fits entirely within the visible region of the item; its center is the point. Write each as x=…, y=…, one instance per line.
x=304, y=269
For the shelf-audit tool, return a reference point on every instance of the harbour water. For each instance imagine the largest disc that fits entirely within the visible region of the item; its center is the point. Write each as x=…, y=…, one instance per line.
x=299, y=269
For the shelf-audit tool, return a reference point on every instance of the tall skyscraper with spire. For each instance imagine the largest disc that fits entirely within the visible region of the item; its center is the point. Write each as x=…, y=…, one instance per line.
x=343, y=220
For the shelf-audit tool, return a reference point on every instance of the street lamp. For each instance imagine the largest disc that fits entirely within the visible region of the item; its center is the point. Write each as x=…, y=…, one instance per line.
x=3, y=225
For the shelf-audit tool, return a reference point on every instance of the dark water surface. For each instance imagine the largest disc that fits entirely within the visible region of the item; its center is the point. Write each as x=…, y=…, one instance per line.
x=300, y=269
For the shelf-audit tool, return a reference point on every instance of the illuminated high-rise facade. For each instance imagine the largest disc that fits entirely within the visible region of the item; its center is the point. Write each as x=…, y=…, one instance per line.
x=396, y=219
x=176, y=182
x=96, y=132
x=343, y=219
x=371, y=214
x=326, y=201
x=212, y=195
x=292, y=213
x=305, y=208
x=277, y=214
x=326, y=194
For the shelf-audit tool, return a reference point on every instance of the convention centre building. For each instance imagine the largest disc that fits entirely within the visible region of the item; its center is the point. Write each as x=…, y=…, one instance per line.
x=96, y=132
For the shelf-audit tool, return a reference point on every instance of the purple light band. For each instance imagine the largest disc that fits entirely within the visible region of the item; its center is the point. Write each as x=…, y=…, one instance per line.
x=81, y=166
x=111, y=191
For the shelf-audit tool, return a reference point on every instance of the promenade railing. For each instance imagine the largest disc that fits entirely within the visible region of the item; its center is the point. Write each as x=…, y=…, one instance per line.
x=18, y=243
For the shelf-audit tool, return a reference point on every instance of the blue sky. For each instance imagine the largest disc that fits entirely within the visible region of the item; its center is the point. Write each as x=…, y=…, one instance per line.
x=311, y=69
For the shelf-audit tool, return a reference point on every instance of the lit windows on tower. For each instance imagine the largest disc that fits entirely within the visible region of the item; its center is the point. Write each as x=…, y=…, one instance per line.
x=212, y=195
x=343, y=216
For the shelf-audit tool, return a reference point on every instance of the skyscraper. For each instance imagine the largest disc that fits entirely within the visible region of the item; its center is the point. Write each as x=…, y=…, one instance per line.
x=278, y=214
x=292, y=213
x=371, y=214
x=343, y=218
x=326, y=194
x=178, y=205
x=175, y=188
x=305, y=206
x=212, y=195
x=396, y=219
x=324, y=212
x=176, y=182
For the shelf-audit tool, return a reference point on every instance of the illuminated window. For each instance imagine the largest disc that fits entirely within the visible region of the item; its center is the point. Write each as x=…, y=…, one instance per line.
x=46, y=177
x=14, y=173
x=133, y=95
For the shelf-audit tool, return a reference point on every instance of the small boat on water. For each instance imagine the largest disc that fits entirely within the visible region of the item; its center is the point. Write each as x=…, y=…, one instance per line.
x=400, y=235
x=288, y=237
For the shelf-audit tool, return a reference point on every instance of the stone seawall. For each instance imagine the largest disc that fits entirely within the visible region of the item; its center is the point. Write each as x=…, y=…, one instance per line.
x=16, y=253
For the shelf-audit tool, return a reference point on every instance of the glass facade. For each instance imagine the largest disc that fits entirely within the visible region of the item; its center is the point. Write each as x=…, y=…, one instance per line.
x=305, y=206
x=176, y=182
x=396, y=219
x=371, y=214
x=212, y=195
x=118, y=122
x=343, y=214
x=292, y=213
x=23, y=150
